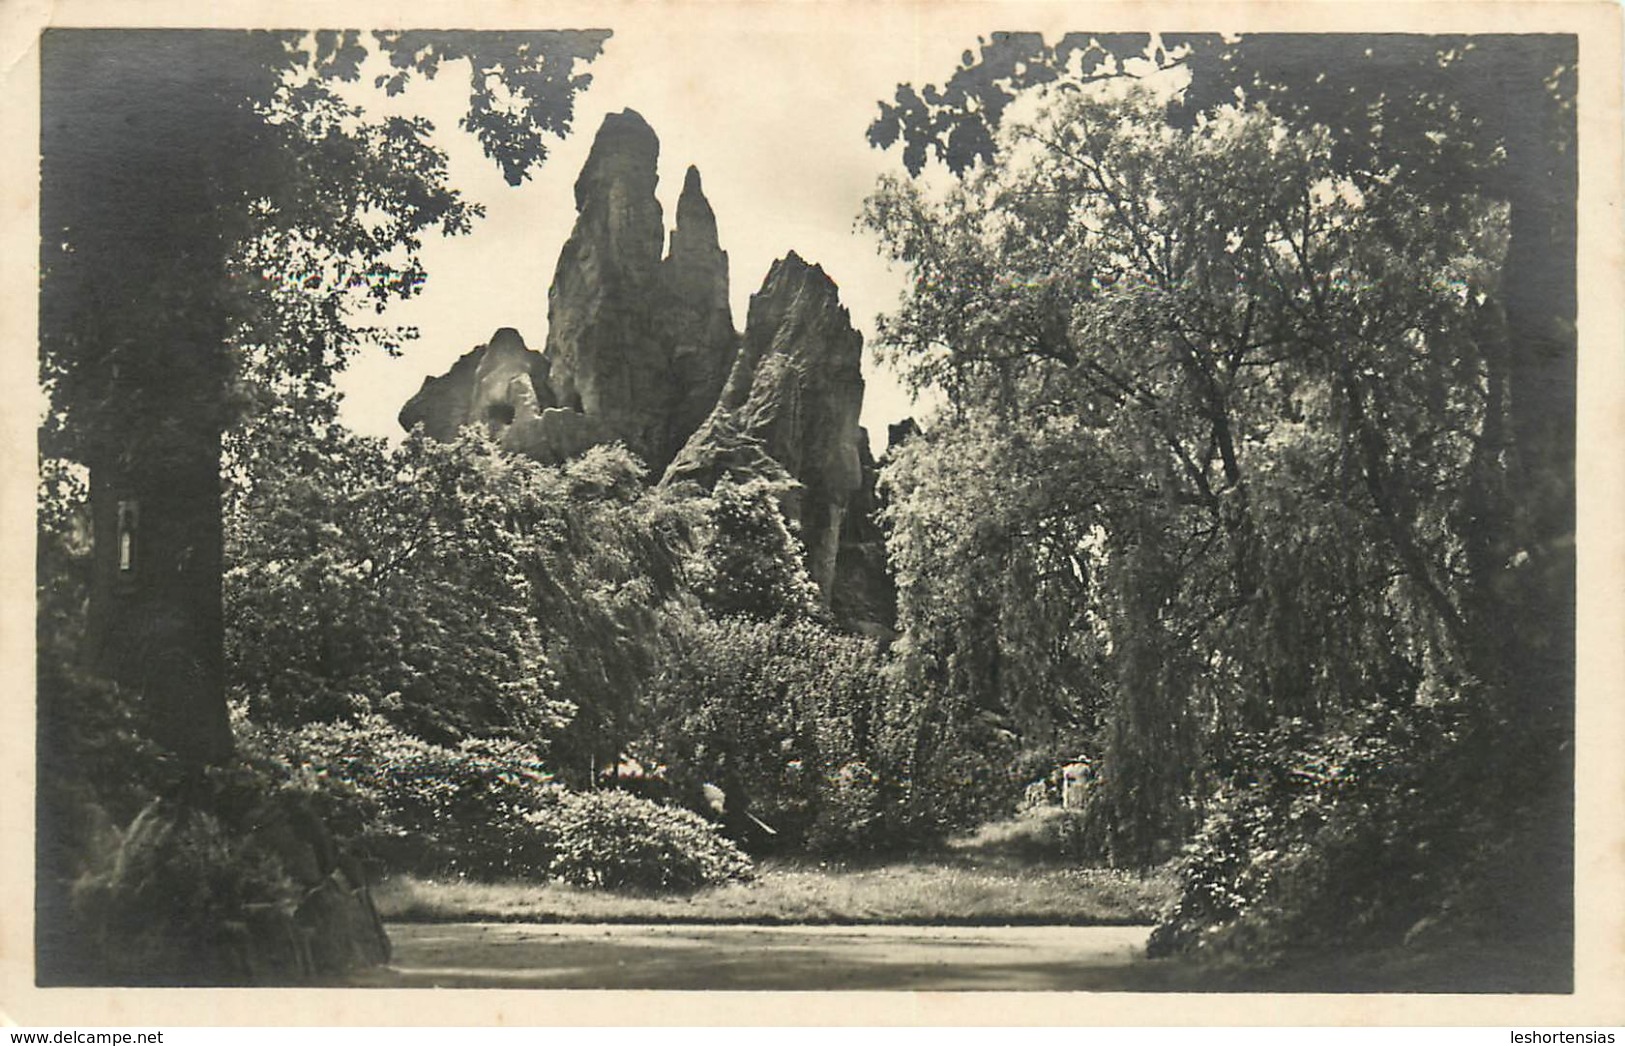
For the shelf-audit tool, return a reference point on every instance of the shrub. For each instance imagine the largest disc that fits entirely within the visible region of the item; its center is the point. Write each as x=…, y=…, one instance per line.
x=1345, y=836
x=488, y=810
x=962, y=773
x=475, y=809
x=146, y=871
x=797, y=724
x=851, y=815
x=229, y=876
x=616, y=840
x=180, y=898
x=154, y=870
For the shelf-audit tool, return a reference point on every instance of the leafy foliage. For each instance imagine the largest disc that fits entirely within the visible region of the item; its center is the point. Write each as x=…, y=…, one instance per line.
x=522, y=85
x=956, y=123
x=797, y=725
x=361, y=578
x=1380, y=95
x=478, y=808
x=1344, y=835
x=164, y=909
x=265, y=210
x=216, y=219
x=1210, y=363
x=62, y=563
x=615, y=840
x=259, y=206
x=752, y=564
x=106, y=766
x=454, y=589
x=1454, y=120
x=993, y=573
x=489, y=810
x=1211, y=366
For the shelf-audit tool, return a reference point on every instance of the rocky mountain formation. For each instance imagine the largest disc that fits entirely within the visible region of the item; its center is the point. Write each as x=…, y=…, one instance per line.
x=641, y=348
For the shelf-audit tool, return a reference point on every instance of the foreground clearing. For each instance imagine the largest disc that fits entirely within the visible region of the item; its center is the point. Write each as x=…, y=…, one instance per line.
x=906, y=958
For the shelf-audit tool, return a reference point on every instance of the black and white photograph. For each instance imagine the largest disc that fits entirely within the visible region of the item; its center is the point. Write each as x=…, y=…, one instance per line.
x=1044, y=500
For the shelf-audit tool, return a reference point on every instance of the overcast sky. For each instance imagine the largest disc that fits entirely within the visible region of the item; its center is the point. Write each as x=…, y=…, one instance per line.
x=773, y=117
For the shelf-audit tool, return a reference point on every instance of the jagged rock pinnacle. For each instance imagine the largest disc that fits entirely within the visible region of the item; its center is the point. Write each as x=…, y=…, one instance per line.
x=641, y=348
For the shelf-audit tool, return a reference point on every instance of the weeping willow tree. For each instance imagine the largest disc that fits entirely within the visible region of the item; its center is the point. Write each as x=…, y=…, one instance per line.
x=1276, y=386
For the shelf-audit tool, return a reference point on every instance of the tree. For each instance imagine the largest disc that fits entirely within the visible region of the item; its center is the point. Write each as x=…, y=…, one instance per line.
x=1488, y=115
x=994, y=573
x=455, y=589
x=212, y=215
x=753, y=563
x=360, y=579
x=611, y=564
x=1228, y=365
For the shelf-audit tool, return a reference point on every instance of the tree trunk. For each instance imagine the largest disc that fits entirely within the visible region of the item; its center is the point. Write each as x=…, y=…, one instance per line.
x=156, y=622
x=1540, y=309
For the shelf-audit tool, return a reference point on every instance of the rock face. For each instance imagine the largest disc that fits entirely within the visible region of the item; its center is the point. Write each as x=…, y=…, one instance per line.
x=638, y=343
x=606, y=356
x=863, y=592
x=504, y=386
x=795, y=390
x=698, y=322
x=642, y=349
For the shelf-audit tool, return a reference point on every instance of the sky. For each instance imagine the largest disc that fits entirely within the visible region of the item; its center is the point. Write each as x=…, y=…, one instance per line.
x=773, y=117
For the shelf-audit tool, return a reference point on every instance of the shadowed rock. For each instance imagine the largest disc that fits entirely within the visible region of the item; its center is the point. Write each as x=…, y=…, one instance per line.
x=795, y=392
x=863, y=594
x=503, y=386
x=607, y=357
x=696, y=317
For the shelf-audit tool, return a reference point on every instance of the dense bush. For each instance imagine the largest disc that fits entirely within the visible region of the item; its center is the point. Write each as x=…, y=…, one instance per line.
x=851, y=812
x=615, y=840
x=181, y=894
x=477, y=808
x=799, y=726
x=1344, y=836
x=153, y=870
x=489, y=810
x=1000, y=648
x=962, y=763
x=93, y=735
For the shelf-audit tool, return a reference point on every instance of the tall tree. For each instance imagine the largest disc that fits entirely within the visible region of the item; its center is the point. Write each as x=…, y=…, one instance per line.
x=1491, y=115
x=212, y=215
x=1228, y=365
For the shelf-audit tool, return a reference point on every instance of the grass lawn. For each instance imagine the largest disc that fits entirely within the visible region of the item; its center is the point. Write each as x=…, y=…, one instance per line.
x=1012, y=872
x=919, y=891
